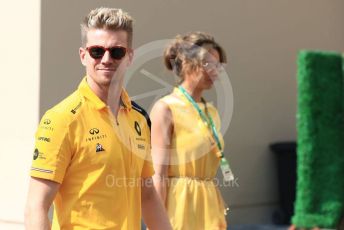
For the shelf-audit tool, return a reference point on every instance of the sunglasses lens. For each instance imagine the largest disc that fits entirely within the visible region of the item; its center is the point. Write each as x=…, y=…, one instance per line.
x=117, y=52
x=96, y=52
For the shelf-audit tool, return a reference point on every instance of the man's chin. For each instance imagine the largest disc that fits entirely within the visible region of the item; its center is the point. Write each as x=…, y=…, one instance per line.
x=109, y=79
x=106, y=80
x=115, y=80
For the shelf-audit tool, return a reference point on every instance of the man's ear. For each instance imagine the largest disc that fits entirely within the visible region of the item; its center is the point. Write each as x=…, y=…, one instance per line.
x=82, y=54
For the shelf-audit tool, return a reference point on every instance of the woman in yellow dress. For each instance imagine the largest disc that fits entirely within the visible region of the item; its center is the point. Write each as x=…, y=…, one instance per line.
x=186, y=140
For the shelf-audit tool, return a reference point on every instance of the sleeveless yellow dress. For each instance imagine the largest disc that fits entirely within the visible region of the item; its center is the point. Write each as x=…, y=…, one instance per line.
x=193, y=201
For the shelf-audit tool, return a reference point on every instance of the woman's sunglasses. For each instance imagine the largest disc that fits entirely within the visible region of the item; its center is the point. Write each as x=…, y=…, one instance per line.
x=116, y=52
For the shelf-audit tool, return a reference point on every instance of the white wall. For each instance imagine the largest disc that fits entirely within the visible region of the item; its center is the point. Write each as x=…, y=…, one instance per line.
x=19, y=61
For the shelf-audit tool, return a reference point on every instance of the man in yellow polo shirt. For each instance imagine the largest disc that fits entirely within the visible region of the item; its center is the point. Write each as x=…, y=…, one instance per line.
x=92, y=150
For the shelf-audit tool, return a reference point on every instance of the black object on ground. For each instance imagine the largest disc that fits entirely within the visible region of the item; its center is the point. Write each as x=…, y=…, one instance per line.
x=285, y=153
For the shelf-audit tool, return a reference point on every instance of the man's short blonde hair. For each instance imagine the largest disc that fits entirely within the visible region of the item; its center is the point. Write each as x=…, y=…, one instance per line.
x=107, y=19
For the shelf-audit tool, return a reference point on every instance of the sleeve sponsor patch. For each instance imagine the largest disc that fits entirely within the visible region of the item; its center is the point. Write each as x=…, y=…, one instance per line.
x=41, y=170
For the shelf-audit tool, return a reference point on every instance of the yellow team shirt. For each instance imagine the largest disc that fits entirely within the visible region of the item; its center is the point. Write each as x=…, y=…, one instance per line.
x=193, y=200
x=98, y=160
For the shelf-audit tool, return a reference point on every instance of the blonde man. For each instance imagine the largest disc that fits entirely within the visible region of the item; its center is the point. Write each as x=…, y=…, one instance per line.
x=92, y=149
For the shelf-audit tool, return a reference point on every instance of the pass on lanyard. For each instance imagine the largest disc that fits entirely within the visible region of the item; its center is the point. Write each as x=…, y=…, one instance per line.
x=224, y=164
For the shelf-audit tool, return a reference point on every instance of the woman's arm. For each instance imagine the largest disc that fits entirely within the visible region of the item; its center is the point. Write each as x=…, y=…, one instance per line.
x=162, y=129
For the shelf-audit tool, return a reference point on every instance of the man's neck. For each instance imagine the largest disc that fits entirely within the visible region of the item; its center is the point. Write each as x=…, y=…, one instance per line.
x=109, y=94
x=114, y=97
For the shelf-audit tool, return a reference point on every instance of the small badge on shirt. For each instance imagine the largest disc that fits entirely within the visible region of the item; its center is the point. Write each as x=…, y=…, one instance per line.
x=38, y=155
x=35, y=154
x=99, y=148
x=137, y=128
x=140, y=146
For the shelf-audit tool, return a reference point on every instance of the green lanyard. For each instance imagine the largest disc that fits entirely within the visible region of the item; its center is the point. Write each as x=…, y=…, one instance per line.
x=208, y=121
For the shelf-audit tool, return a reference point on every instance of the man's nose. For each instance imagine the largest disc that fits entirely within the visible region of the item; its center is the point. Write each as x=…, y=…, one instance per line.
x=107, y=57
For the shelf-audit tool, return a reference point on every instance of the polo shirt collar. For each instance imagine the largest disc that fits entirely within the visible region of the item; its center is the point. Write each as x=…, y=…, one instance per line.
x=87, y=92
x=125, y=99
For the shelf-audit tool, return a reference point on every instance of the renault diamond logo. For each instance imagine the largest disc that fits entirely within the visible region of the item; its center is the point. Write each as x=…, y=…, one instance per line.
x=138, y=128
x=94, y=131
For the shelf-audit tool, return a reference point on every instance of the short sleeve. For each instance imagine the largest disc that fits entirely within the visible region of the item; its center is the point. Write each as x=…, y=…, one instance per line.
x=52, y=153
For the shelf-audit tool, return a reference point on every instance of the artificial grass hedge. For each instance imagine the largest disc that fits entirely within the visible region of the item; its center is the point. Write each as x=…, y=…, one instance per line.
x=320, y=149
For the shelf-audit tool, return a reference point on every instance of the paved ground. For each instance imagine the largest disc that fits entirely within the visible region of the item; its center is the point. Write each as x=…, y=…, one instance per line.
x=18, y=226
x=257, y=227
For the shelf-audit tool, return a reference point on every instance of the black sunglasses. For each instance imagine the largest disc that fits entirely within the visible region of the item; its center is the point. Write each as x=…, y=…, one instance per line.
x=116, y=52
